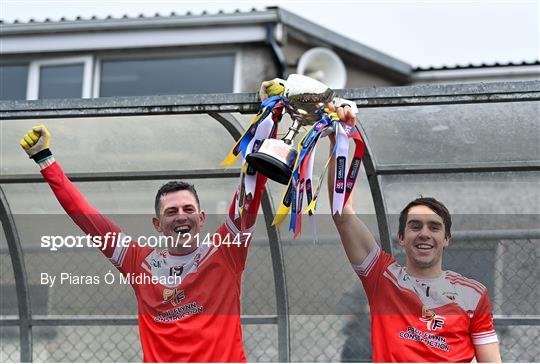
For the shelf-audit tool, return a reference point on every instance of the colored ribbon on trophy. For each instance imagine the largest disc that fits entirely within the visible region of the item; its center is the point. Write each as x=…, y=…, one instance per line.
x=309, y=189
x=310, y=209
x=267, y=128
x=352, y=133
x=269, y=107
x=263, y=126
x=354, y=169
x=302, y=176
x=342, y=154
x=306, y=148
x=306, y=172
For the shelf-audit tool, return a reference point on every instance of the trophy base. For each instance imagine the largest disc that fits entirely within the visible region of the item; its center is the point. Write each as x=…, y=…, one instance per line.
x=270, y=166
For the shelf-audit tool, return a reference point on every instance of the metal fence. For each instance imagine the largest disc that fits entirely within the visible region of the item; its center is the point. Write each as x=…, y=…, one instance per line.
x=301, y=301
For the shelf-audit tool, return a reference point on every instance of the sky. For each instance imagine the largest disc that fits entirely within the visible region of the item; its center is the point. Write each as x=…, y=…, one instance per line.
x=421, y=33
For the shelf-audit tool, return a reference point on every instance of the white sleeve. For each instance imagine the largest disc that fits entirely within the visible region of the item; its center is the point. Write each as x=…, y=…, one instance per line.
x=368, y=263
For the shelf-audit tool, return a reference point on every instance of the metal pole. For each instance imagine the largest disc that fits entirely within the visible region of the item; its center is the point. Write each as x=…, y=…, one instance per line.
x=280, y=280
x=377, y=195
x=21, y=281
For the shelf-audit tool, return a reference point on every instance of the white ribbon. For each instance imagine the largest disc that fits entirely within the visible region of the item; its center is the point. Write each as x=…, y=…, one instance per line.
x=263, y=132
x=342, y=154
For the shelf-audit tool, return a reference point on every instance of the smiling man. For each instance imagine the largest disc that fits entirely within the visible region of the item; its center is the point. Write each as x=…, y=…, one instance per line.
x=188, y=294
x=419, y=313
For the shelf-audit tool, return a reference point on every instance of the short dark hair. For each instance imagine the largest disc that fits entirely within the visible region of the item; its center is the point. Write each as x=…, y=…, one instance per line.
x=437, y=207
x=174, y=186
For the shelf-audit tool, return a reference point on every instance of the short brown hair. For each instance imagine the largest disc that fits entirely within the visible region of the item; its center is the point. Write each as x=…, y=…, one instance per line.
x=174, y=186
x=437, y=207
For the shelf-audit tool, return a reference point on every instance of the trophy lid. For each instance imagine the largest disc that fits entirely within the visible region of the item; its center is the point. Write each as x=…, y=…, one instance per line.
x=306, y=96
x=300, y=84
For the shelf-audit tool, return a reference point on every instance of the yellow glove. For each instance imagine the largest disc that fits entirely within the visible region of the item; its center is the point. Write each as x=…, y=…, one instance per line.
x=272, y=88
x=36, y=143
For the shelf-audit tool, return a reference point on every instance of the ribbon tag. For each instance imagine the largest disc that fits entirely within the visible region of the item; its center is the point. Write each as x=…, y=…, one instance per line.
x=354, y=169
x=342, y=154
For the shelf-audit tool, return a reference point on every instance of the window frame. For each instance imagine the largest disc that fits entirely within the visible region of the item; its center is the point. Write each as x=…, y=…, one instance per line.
x=237, y=80
x=34, y=67
x=20, y=62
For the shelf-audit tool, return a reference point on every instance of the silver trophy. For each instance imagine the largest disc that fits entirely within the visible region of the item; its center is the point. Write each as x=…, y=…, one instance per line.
x=305, y=97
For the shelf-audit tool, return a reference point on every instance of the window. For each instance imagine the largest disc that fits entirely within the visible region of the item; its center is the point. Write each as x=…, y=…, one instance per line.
x=13, y=79
x=167, y=76
x=76, y=77
x=61, y=78
x=56, y=82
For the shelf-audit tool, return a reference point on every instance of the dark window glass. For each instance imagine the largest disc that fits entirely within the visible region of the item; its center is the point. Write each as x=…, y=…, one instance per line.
x=13, y=81
x=167, y=76
x=61, y=82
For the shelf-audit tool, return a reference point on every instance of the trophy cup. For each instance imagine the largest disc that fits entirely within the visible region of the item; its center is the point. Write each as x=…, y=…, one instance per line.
x=305, y=97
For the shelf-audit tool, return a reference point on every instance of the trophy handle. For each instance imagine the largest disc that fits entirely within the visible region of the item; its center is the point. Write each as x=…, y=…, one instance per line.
x=293, y=130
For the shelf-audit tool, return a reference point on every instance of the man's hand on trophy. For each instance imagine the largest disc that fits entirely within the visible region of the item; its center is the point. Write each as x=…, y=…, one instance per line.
x=272, y=88
x=344, y=112
x=36, y=143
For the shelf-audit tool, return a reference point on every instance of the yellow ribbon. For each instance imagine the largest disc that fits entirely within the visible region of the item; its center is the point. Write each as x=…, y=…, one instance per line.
x=311, y=206
x=231, y=157
x=283, y=210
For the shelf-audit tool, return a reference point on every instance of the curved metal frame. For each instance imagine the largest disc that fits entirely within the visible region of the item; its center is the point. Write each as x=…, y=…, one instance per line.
x=21, y=280
x=376, y=193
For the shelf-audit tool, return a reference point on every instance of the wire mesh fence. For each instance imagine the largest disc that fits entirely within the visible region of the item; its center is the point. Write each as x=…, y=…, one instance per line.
x=329, y=317
x=10, y=348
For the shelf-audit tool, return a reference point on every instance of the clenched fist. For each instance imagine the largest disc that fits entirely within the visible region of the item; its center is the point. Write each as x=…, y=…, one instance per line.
x=36, y=143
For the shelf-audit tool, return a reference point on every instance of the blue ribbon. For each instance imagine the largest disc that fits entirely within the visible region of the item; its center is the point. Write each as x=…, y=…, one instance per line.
x=307, y=145
x=266, y=108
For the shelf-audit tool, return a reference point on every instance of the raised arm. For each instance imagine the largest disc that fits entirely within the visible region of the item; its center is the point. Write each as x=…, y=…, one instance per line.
x=356, y=238
x=36, y=145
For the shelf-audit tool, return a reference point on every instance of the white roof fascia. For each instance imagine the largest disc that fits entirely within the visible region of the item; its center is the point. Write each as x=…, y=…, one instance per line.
x=157, y=22
x=89, y=41
x=532, y=71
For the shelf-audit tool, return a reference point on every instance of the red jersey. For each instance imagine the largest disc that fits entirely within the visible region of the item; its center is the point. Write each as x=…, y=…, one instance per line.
x=423, y=320
x=197, y=320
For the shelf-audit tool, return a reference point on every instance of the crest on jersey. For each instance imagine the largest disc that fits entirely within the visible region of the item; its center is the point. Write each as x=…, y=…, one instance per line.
x=174, y=296
x=433, y=321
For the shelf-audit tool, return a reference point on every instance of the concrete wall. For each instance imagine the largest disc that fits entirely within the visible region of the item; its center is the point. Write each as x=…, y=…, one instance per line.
x=357, y=75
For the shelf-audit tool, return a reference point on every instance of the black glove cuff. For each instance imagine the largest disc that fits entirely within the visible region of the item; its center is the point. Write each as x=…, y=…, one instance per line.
x=42, y=155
